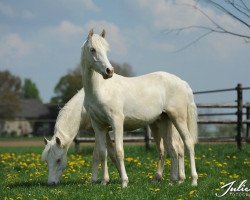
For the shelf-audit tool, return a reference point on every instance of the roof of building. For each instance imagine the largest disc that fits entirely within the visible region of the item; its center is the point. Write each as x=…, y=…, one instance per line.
x=32, y=108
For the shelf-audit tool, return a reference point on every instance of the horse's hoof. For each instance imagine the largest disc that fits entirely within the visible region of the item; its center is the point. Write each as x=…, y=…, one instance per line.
x=94, y=180
x=125, y=184
x=157, y=178
x=154, y=180
x=180, y=181
x=173, y=182
x=194, y=183
x=104, y=182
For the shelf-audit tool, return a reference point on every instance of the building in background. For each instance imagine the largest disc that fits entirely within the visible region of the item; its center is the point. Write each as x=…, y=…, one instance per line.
x=28, y=120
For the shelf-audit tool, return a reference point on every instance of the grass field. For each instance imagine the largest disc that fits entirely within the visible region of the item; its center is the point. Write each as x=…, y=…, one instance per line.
x=24, y=176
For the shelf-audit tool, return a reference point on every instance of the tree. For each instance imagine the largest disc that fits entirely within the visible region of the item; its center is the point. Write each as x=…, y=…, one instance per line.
x=10, y=89
x=238, y=10
x=69, y=84
x=123, y=69
x=30, y=90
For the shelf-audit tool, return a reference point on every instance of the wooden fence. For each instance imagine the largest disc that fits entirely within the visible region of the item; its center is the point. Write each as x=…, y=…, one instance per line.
x=239, y=107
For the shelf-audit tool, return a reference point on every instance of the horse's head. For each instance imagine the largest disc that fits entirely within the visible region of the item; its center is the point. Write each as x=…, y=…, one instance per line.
x=95, y=51
x=55, y=156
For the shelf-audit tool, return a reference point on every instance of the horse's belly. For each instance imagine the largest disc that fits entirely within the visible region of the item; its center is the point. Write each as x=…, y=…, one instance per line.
x=130, y=125
x=140, y=119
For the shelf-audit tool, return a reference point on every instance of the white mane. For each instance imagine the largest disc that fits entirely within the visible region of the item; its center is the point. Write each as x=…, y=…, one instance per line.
x=69, y=119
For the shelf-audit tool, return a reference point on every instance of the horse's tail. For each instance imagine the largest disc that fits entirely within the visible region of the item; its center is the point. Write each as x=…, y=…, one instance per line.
x=192, y=116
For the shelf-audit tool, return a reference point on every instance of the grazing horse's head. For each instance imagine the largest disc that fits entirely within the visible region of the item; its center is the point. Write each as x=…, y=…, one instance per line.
x=55, y=156
x=94, y=51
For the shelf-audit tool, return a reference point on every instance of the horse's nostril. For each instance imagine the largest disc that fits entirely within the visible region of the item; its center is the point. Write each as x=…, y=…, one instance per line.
x=109, y=71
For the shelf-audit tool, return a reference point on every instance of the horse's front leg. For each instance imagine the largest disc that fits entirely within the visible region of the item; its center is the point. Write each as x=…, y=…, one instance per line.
x=117, y=126
x=101, y=151
x=95, y=164
x=112, y=153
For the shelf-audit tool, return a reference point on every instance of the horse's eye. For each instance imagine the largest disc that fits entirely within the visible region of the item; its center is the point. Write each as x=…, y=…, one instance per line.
x=92, y=50
x=58, y=161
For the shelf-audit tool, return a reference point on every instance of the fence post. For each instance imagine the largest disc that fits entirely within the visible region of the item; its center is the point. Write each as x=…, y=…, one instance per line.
x=77, y=145
x=248, y=121
x=147, y=137
x=239, y=115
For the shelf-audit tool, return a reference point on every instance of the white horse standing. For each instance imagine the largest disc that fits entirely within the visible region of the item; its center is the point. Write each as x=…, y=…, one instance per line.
x=66, y=129
x=117, y=101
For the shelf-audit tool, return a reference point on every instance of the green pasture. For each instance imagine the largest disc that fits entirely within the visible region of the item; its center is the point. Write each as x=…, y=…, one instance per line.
x=24, y=176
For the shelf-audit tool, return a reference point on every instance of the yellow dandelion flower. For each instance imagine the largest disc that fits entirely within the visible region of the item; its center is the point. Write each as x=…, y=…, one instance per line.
x=45, y=198
x=129, y=159
x=154, y=189
x=234, y=176
x=192, y=192
x=224, y=172
x=219, y=165
x=222, y=183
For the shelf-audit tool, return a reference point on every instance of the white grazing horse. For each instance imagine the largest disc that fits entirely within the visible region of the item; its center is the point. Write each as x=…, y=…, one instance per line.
x=66, y=129
x=121, y=102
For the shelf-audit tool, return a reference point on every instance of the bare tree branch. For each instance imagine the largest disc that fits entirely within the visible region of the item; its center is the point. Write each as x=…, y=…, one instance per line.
x=193, y=42
x=223, y=9
x=239, y=7
x=243, y=3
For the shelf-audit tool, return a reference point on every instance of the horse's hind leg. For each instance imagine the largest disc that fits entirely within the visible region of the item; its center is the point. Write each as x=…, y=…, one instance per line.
x=172, y=147
x=161, y=152
x=179, y=146
x=162, y=131
x=181, y=125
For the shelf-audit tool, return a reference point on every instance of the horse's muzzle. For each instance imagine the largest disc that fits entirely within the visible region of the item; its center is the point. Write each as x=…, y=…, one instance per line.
x=109, y=72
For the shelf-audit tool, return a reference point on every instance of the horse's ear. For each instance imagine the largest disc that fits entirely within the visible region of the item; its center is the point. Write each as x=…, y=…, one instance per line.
x=91, y=33
x=58, y=142
x=103, y=33
x=45, y=141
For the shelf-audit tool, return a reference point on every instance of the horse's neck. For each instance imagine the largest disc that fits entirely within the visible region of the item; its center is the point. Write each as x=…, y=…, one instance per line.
x=92, y=81
x=69, y=119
